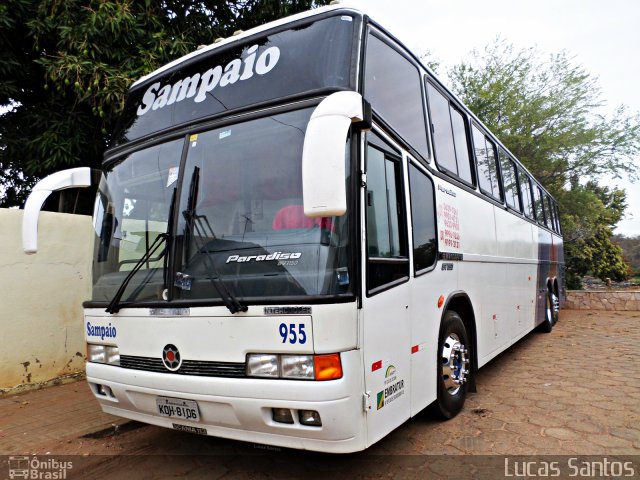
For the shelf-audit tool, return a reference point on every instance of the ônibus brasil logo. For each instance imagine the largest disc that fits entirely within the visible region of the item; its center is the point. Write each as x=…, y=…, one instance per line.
x=22, y=466
x=200, y=84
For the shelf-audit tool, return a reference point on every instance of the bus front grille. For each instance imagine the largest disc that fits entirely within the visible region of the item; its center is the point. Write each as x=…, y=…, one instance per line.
x=188, y=367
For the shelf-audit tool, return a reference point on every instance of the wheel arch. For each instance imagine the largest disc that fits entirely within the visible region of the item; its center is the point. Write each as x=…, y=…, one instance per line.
x=460, y=303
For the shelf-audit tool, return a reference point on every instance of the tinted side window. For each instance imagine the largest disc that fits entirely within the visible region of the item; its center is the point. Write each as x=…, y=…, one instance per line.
x=392, y=85
x=509, y=181
x=423, y=220
x=462, y=145
x=449, y=135
x=558, y=226
x=551, y=218
x=442, y=134
x=525, y=190
x=386, y=243
x=538, y=204
x=487, y=169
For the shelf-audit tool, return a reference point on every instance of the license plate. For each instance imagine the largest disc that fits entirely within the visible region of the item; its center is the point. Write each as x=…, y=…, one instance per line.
x=178, y=408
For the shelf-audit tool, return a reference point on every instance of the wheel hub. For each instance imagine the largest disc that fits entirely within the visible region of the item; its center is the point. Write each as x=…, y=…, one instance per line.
x=555, y=301
x=454, y=357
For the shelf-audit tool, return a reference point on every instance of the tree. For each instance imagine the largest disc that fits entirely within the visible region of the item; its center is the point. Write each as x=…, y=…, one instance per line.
x=65, y=68
x=631, y=251
x=548, y=114
x=589, y=213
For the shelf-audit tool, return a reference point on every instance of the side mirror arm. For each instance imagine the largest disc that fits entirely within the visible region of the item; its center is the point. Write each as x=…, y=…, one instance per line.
x=72, y=178
x=323, y=154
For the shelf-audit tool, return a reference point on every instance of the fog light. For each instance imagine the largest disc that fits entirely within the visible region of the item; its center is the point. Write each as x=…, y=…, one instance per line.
x=282, y=415
x=310, y=418
x=105, y=391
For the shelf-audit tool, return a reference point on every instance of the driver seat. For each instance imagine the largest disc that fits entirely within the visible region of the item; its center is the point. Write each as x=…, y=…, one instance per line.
x=292, y=216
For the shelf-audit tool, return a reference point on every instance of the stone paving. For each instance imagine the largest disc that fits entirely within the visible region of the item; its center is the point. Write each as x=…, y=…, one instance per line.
x=574, y=391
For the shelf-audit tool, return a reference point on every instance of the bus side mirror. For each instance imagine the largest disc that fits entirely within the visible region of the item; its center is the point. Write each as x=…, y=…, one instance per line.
x=323, y=155
x=74, y=177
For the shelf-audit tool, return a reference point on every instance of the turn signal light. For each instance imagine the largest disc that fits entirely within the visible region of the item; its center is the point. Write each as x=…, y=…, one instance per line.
x=327, y=367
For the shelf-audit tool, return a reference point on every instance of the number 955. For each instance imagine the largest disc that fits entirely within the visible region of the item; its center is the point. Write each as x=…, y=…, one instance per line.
x=294, y=333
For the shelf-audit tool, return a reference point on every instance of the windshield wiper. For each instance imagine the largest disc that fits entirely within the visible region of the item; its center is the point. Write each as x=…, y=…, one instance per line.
x=197, y=226
x=161, y=239
x=114, y=305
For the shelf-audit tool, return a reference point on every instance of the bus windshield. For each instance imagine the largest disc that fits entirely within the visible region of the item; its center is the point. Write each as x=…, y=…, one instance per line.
x=239, y=220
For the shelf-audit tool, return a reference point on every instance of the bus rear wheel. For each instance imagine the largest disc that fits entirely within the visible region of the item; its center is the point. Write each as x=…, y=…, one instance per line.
x=453, y=366
x=555, y=306
x=551, y=309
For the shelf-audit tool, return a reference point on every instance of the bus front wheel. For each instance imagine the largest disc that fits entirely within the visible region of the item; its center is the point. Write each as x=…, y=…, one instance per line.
x=453, y=366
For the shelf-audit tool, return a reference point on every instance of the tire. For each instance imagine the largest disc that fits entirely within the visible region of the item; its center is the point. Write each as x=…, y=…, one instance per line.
x=550, y=315
x=453, y=366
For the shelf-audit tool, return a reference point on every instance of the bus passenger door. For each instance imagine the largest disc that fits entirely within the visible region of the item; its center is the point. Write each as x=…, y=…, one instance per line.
x=385, y=303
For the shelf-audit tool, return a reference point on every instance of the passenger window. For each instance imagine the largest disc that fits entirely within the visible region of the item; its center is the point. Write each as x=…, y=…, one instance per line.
x=525, y=190
x=538, y=205
x=449, y=136
x=423, y=220
x=557, y=214
x=462, y=146
x=386, y=237
x=509, y=181
x=487, y=168
x=392, y=86
x=551, y=221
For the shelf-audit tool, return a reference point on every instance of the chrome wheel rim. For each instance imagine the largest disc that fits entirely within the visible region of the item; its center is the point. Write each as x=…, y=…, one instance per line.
x=555, y=305
x=454, y=358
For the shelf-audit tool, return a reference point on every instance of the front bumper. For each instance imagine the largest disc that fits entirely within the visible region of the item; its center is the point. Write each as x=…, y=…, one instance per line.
x=241, y=408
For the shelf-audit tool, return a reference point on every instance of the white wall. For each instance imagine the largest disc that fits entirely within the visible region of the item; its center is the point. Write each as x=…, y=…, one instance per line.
x=41, y=297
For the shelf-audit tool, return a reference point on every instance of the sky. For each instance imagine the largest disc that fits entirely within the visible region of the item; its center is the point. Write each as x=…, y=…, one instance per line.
x=602, y=36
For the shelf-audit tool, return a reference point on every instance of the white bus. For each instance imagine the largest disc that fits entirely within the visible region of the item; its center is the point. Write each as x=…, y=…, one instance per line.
x=303, y=239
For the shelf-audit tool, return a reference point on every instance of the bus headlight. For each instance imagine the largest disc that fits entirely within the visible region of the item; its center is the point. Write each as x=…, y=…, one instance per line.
x=103, y=354
x=113, y=355
x=297, y=366
x=96, y=353
x=262, y=365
